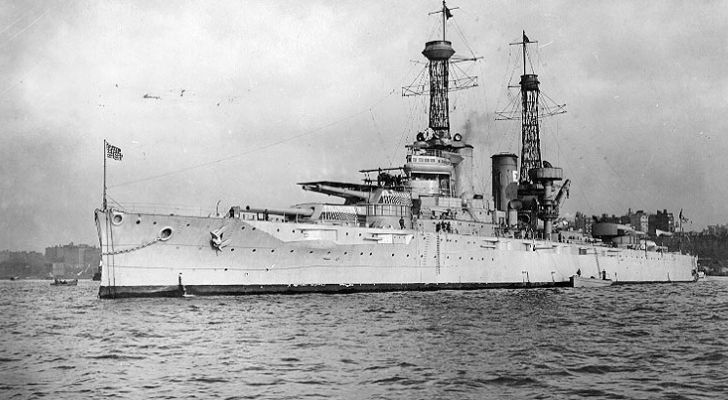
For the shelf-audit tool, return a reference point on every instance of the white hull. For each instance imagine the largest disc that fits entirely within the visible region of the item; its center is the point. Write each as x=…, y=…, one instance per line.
x=266, y=256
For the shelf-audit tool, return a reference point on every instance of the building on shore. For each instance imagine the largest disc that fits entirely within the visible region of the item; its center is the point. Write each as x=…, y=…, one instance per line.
x=73, y=260
x=639, y=220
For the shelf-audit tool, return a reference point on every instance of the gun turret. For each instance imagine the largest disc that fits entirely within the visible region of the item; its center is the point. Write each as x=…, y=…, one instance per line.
x=333, y=189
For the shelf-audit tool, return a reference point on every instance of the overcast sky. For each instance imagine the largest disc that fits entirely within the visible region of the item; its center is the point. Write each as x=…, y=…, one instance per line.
x=246, y=98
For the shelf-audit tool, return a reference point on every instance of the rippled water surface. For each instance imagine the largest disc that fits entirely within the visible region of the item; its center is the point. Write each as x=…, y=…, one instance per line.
x=625, y=342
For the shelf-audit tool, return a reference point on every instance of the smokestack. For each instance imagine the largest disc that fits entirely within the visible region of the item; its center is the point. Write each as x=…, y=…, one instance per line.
x=464, y=173
x=505, y=180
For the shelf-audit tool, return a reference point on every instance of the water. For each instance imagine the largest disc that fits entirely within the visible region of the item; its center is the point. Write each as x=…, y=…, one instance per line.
x=626, y=342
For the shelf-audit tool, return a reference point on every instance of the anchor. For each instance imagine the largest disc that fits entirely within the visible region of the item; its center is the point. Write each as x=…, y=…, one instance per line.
x=217, y=240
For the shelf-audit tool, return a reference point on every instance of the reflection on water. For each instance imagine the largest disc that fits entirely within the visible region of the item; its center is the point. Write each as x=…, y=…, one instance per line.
x=649, y=341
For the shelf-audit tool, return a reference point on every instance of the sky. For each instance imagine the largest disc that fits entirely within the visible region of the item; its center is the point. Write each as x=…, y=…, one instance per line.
x=224, y=103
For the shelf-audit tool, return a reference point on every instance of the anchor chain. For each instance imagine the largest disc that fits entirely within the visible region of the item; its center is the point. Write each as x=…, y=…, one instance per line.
x=113, y=253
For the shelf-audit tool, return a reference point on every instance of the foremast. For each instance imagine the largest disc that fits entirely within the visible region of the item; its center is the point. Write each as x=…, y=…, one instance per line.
x=436, y=181
x=439, y=164
x=438, y=53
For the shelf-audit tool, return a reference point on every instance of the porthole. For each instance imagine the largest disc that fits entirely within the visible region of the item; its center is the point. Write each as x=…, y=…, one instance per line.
x=138, y=221
x=165, y=233
x=117, y=218
x=154, y=223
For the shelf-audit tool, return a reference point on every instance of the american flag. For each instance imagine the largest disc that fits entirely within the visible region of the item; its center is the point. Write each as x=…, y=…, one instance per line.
x=113, y=152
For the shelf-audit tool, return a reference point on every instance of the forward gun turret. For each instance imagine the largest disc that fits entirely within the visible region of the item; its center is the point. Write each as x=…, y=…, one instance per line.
x=352, y=193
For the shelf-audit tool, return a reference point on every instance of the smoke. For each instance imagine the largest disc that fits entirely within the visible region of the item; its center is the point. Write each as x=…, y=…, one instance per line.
x=480, y=131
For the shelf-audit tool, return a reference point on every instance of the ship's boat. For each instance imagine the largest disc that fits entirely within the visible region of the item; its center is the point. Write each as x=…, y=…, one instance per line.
x=421, y=226
x=64, y=282
x=591, y=282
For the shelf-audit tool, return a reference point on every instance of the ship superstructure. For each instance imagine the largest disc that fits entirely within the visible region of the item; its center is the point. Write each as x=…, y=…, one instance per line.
x=420, y=226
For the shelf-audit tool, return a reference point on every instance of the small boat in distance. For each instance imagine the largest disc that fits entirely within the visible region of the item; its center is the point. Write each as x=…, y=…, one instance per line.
x=580, y=281
x=63, y=282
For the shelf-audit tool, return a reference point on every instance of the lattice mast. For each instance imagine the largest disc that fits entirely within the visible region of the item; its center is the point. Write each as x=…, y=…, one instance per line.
x=438, y=53
x=530, y=136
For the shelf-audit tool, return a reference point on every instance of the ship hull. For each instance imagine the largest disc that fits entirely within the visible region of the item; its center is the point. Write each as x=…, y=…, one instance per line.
x=155, y=255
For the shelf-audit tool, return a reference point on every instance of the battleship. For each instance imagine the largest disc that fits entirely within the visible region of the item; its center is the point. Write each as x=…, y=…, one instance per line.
x=420, y=226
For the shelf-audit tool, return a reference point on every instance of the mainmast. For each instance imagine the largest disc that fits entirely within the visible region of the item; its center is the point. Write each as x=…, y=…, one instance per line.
x=530, y=135
x=538, y=197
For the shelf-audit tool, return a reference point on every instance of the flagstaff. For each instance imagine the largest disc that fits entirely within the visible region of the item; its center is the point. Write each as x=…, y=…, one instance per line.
x=103, y=204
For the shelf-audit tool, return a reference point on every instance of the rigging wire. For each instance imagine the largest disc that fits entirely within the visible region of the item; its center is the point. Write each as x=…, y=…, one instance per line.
x=418, y=82
x=112, y=200
x=313, y=131
x=377, y=129
x=6, y=41
x=20, y=18
x=462, y=36
x=530, y=60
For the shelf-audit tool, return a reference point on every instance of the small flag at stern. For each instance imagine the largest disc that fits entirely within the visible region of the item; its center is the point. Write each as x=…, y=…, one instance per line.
x=113, y=152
